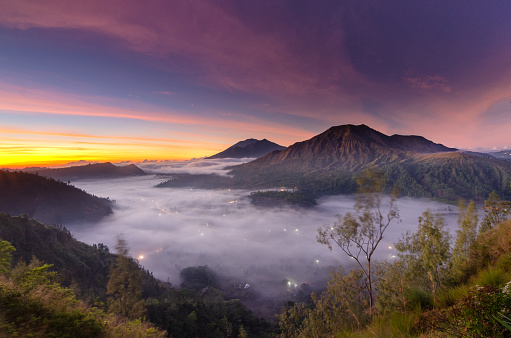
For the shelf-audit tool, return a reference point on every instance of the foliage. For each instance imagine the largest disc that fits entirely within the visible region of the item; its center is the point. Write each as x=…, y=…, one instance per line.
x=5, y=256
x=186, y=313
x=493, y=275
x=495, y=211
x=124, y=287
x=494, y=247
x=473, y=315
x=197, y=277
x=272, y=197
x=359, y=235
x=86, y=268
x=48, y=200
x=426, y=252
x=31, y=304
x=342, y=306
x=504, y=321
x=466, y=237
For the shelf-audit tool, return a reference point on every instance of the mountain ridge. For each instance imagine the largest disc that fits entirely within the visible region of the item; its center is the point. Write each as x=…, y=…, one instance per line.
x=88, y=171
x=48, y=200
x=329, y=163
x=349, y=147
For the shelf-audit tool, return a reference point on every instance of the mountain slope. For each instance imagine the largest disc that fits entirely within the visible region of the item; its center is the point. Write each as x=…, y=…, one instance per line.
x=329, y=162
x=248, y=148
x=90, y=171
x=48, y=200
x=347, y=147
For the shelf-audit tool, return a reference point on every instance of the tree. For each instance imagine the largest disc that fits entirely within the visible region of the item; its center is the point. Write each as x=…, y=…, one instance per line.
x=465, y=237
x=495, y=211
x=5, y=256
x=427, y=251
x=359, y=234
x=339, y=308
x=124, y=288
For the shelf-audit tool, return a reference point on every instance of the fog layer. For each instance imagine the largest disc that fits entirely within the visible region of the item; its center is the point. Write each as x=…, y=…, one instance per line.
x=168, y=229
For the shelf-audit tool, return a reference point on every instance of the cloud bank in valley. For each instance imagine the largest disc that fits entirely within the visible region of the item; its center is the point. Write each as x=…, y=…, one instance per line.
x=169, y=229
x=194, y=166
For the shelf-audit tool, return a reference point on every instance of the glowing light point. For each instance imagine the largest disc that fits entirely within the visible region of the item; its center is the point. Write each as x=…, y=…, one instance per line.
x=390, y=247
x=141, y=257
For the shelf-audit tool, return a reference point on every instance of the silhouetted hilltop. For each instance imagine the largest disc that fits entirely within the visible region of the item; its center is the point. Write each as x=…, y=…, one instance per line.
x=89, y=171
x=248, y=148
x=48, y=200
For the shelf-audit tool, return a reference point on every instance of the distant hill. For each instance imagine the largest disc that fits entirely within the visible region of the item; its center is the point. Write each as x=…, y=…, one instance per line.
x=504, y=154
x=48, y=200
x=248, y=148
x=89, y=171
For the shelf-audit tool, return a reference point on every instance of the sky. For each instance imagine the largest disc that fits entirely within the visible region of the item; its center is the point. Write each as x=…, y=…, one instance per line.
x=133, y=80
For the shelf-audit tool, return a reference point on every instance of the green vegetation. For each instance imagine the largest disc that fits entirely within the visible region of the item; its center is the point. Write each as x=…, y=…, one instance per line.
x=279, y=198
x=48, y=200
x=33, y=305
x=428, y=291
x=359, y=235
x=115, y=293
x=124, y=288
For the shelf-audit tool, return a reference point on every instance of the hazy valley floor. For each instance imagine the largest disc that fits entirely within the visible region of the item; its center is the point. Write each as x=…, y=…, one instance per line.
x=168, y=229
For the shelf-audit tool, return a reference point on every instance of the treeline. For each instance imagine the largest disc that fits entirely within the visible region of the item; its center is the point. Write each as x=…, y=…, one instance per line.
x=435, y=286
x=112, y=283
x=282, y=197
x=445, y=177
x=48, y=200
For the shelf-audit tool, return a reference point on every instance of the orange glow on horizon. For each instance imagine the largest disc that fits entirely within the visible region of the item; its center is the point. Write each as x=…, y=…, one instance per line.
x=21, y=161
x=20, y=148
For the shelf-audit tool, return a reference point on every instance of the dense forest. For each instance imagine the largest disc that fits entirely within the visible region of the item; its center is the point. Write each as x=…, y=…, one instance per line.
x=90, y=282
x=48, y=200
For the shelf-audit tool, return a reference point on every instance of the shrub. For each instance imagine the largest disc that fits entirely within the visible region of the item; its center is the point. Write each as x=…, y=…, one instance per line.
x=492, y=276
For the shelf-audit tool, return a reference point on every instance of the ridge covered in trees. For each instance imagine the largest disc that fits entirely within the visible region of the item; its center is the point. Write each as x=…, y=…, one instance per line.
x=89, y=285
x=48, y=200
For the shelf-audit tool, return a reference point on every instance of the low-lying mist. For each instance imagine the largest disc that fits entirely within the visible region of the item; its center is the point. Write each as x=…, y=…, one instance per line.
x=168, y=229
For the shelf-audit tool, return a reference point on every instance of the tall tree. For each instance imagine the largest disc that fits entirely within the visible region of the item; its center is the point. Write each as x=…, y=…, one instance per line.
x=466, y=236
x=427, y=252
x=5, y=256
x=124, y=288
x=358, y=235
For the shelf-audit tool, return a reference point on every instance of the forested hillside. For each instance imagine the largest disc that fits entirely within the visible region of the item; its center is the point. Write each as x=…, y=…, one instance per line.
x=437, y=285
x=97, y=277
x=48, y=200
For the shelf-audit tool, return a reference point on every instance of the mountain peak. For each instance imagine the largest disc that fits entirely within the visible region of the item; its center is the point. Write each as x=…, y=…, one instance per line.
x=248, y=148
x=349, y=147
x=243, y=144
